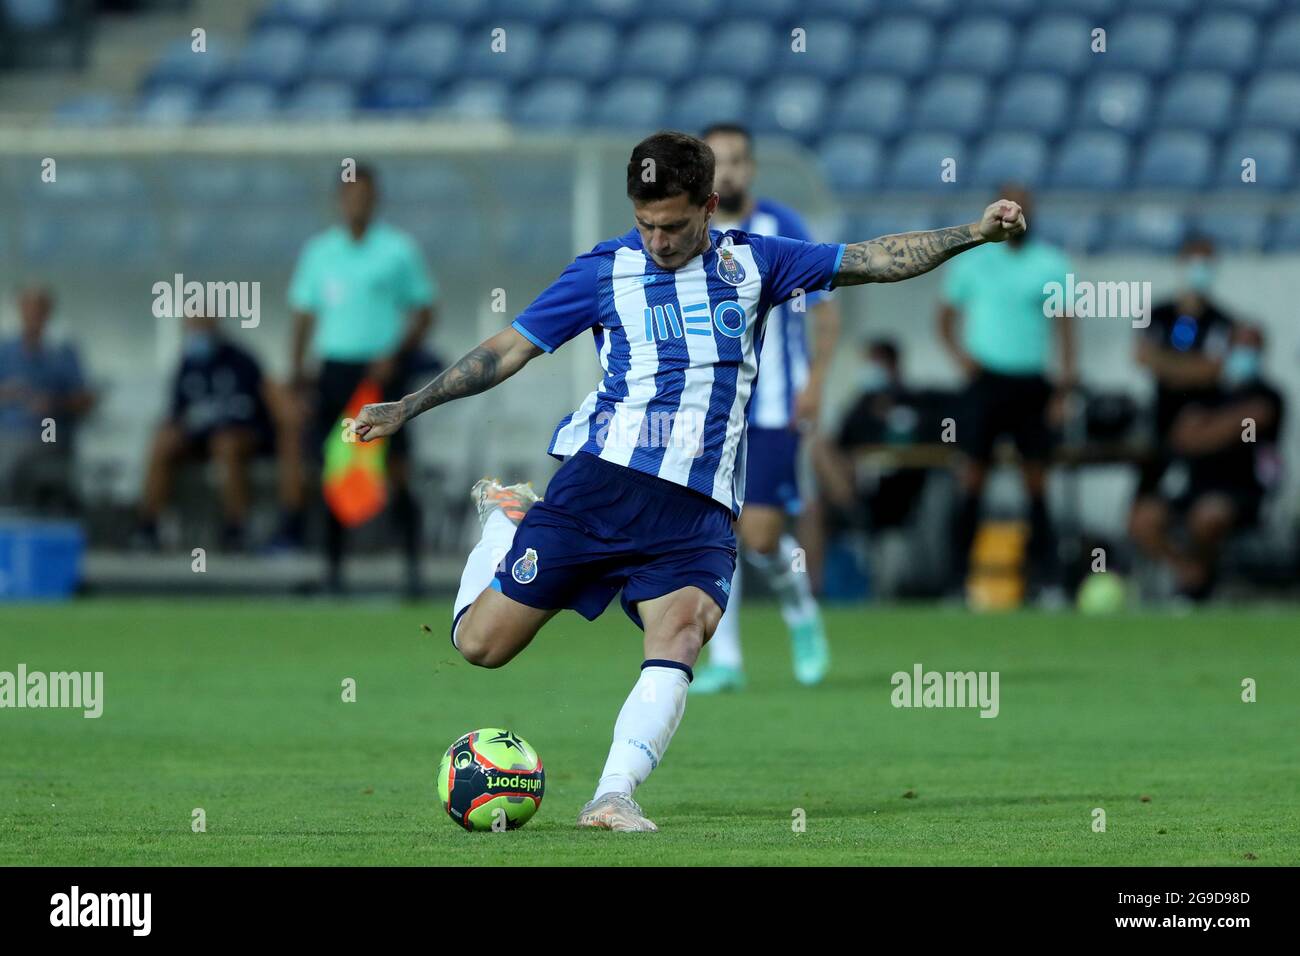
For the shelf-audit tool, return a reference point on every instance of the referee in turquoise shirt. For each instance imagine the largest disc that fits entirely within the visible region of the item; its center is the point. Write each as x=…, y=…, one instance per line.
x=363, y=301
x=996, y=293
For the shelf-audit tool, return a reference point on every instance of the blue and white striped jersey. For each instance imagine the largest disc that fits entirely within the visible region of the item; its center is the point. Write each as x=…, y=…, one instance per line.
x=680, y=350
x=784, y=358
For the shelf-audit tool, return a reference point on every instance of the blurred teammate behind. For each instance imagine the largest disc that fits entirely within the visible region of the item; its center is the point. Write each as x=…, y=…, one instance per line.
x=786, y=399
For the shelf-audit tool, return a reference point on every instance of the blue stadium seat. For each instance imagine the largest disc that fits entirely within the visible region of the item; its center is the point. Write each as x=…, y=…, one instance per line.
x=1282, y=49
x=899, y=46
x=870, y=104
x=1274, y=155
x=1260, y=8
x=955, y=103
x=1140, y=43
x=847, y=12
x=1091, y=159
x=1221, y=41
x=168, y=105
x=793, y=105
x=1174, y=159
x=631, y=103
x=456, y=12
x=428, y=52
x=918, y=161
x=976, y=45
x=242, y=101
x=1273, y=100
x=92, y=109
x=1285, y=234
x=1201, y=101
x=1246, y=230
x=1174, y=8
x=936, y=11
x=321, y=99
x=1009, y=9
x=828, y=51
x=703, y=12
x=274, y=57
x=181, y=65
x=523, y=47
x=1092, y=9
x=1057, y=44
x=778, y=11
x=665, y=51
x=747, y=54
x=611, y=11
x=308, y=15
x=1078, y=231
x=25, y=15
x=541, y=13
x=478, y=99
x=387, y=14
x=717, y=99
x=583, y=51
x=1035, y=102
x=1119, y=101
x=890, y=222
x=1011, y=157
x=851, y=164
x=1149, y=228
x=553, y=104
x=399, y=94
x=347, y=55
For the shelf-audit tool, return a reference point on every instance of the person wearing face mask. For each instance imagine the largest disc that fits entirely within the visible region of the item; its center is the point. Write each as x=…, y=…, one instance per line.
x=1184, y=349
x=220, y=410
x=1225, y=443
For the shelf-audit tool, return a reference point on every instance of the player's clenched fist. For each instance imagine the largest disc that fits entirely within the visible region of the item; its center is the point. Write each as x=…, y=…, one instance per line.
x=378, y=421
x=1002, y=220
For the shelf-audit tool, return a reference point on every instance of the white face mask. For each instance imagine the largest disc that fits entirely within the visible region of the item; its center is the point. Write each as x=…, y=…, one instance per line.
x=873, y=378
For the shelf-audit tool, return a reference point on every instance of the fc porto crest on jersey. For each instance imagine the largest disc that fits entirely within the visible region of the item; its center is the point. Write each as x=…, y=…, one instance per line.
x=729, y=270
x=525, y=568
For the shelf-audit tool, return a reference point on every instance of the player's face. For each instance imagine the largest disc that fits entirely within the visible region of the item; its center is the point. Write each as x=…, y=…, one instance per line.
x=674, y=230
x=733, y=170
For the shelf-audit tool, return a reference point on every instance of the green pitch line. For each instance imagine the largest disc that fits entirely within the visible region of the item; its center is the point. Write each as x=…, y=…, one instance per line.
x=236, y=708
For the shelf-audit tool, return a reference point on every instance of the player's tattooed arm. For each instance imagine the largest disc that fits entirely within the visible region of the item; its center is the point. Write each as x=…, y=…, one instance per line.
x=481, y=368
x=908, y=254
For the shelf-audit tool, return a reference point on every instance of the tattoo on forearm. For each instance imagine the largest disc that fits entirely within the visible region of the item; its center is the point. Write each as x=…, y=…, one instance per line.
x=475, y=372
x=892, y=258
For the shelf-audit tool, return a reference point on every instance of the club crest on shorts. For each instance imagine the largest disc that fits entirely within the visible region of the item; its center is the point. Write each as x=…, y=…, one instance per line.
x=525, y=568
x=729, y=269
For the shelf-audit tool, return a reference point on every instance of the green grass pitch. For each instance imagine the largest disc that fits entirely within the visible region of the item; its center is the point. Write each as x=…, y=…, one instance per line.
x=236, y=707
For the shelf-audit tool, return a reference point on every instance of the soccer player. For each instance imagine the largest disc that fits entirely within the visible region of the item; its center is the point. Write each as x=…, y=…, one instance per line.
x=785, y=397
x=654, y=458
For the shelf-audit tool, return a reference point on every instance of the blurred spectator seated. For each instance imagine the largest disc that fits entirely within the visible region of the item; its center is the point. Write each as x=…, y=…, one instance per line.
x=43, y=396
x=224, y=411
x=1223, y=462
x=870, y=474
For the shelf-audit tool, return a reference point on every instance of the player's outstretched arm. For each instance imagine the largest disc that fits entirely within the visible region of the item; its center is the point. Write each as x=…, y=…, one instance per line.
x=482, y=367
x=894, y=258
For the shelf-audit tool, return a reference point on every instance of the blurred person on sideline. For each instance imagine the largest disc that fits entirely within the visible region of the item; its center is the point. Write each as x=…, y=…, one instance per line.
x=363, y=301
x=41, y=385
x=1003, y=348
x=1223, y=460
x=222, y=409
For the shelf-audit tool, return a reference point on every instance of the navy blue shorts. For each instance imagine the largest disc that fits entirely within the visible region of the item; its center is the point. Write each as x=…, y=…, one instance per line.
x=603, y=528
x=771, y=475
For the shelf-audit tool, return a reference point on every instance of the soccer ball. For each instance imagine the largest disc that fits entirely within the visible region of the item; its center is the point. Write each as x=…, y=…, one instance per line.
x=491, y=779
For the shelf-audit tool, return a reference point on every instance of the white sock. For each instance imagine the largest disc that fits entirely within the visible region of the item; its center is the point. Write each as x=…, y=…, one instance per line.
x=481, y=565
x=645, y=725
x=790, y=586
x=724, y=645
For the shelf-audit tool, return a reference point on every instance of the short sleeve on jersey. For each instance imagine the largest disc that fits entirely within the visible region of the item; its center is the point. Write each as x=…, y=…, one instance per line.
x=793, y=265
x=567, y=307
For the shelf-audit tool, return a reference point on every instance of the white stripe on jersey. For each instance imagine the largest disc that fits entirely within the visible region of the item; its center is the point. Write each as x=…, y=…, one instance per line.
x=685, y=444
x=624, y=427
x=731, y=465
